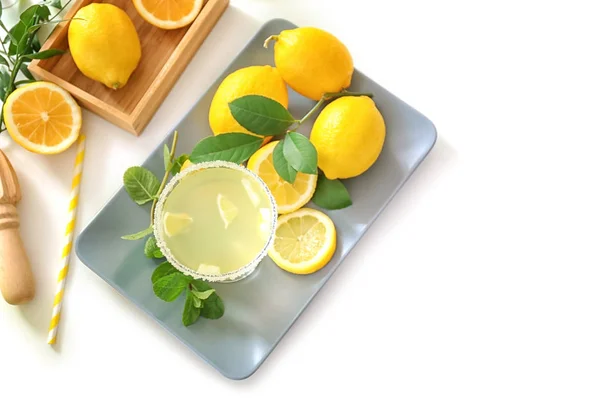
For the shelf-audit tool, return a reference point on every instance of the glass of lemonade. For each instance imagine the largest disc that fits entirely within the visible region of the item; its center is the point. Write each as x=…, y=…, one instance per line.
x=215, y=221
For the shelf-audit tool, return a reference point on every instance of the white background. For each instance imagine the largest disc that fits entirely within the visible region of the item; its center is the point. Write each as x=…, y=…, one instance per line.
x=480, y=280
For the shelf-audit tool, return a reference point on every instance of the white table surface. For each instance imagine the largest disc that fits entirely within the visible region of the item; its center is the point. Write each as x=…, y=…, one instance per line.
x=490, y=251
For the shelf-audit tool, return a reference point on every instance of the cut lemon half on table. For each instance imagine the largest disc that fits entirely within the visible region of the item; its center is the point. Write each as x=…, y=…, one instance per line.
x=288, y=196
x=305, y=241
x=175, y=223
x=169, y=14
x=42, y=117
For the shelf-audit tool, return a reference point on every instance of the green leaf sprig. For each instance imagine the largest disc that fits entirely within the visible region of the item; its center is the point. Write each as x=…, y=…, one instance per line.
x=143, y=186
x=294, y=153
x=201, y=300
x=21, y=45
x=168, y=283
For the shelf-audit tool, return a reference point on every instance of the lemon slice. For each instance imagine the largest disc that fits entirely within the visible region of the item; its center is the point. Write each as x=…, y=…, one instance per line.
x=254, y=197
x=42, y=117
x=289, y=197
x=208, y=269
x=169, y=14
x=175, y=223
x=227, y=209
x=305, y=241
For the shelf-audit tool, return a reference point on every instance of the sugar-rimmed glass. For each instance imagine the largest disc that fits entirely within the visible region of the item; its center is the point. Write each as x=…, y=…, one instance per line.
x=231, y=276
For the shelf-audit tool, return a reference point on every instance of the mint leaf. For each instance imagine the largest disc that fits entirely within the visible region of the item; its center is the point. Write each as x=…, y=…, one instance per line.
x=331, y=194
x=166, y=157
x=170, y=286
x=283, y=168
x=197, y=302
x=191, y=312
x=261, y=115
x=178, y=163
x=138, y=235
x=151, y=249
x=213, y=307
x=163, y=270
x=300, y=153
x=234, y=147
x=141, y=184
x=203, y=295
x=200, y=286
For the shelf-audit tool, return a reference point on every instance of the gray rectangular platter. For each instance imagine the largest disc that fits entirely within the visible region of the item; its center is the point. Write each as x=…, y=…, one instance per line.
x=261, y=308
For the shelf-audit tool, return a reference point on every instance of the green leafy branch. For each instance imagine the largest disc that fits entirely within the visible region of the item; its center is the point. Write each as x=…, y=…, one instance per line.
x=293, y=153
x=21, y=45
x=143, y=186
x=168, y=283
x=200, y=301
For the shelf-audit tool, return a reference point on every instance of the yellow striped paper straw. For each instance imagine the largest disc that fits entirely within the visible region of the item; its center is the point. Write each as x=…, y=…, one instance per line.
x=66, y=252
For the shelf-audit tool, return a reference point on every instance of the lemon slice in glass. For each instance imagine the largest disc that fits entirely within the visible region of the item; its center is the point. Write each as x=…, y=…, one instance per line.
x=227, y=209
x=254, y=197
x=175, y=223
x=305, y=241
x=288, y=196
x=208, y=269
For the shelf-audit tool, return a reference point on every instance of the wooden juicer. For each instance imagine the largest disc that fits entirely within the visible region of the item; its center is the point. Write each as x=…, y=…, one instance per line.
x=16, y=279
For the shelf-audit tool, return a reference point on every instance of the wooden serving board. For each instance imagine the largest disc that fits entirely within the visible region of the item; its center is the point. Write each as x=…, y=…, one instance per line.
x=165, y=54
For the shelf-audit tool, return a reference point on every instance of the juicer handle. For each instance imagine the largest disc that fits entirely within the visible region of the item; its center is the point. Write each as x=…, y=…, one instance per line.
x=16, y=279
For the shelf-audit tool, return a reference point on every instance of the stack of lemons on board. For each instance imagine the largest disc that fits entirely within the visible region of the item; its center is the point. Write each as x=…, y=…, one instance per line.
x=348, y=136
x=104, y=44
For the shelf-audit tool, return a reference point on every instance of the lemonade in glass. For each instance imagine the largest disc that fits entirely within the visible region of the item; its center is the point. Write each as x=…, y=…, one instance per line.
x=215, y=221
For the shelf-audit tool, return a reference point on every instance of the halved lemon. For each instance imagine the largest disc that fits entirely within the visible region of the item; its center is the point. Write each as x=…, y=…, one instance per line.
x=305, y=241
x=169, y=14
x=175, y=223
x=42, y=117
x=227, y=209
x=289, y=197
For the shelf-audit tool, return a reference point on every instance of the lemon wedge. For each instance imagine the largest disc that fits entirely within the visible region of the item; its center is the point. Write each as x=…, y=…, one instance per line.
x=227, y=209
x=288, y=196
x=175, y=223
x=208, y=269
x=305, y=241
x=254, y=197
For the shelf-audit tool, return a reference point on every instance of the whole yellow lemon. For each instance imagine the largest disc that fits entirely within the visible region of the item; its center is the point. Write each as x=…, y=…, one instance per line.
x=312, y=61
x=104, y=44
x=262, y=80
x=348, y=135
